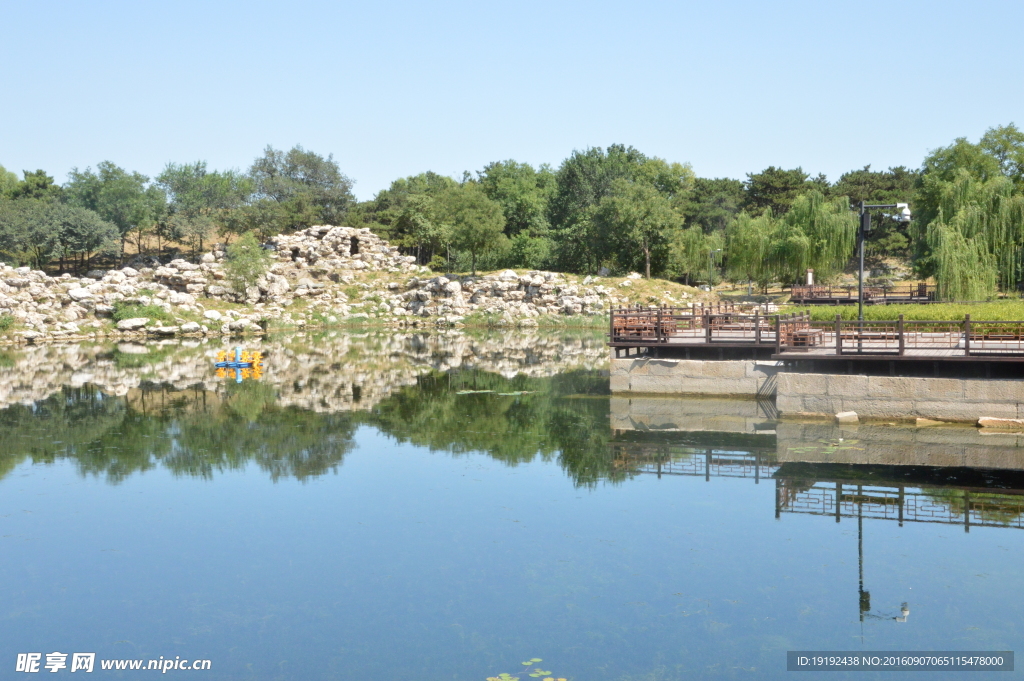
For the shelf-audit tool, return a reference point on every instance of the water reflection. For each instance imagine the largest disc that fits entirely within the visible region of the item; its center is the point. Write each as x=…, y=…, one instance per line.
x=616, y=537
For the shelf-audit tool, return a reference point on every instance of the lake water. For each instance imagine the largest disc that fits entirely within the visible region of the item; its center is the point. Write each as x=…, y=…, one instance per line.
x=448, y=507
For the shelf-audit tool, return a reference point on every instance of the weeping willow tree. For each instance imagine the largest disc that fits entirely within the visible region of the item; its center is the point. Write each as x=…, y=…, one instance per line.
x=815, y=234
x=964, y=268
x=748, y=242
x=977, y=237
x=690, y=251
x=827, y=236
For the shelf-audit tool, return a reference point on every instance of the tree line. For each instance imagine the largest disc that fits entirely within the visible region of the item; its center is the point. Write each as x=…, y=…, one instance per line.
x=611, y=209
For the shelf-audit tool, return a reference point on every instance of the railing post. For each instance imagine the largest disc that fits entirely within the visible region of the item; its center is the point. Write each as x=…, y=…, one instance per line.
x=967, y=335
x=611, y=324
x=900, y=331
x=757, y=327
x=707, y=328
x=839, y=334
x=778, y=334
x=657, y=330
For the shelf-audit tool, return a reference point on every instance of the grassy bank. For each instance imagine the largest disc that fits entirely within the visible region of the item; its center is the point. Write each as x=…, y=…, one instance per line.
x=1001, y=310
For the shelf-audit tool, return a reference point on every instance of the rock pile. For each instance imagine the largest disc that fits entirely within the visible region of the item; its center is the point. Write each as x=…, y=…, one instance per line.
x=321, y=275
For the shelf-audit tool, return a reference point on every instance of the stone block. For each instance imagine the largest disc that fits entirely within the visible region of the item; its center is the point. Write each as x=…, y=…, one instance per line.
x=663, y=367
x=823, y=405
x=879, y=408
x=726, y=369
x=993, y=422
x=980, y=390
x=787, y=404
x=802, y=384
x=638, y=367
x=619, y=383
x=843, y=386
x=938, y=388
x=964, y=411
x=847, y=417
x=654, y=384
x=890, y=387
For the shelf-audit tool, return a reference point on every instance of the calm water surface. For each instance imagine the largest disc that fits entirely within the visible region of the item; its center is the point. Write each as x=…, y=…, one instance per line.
x=451, y=523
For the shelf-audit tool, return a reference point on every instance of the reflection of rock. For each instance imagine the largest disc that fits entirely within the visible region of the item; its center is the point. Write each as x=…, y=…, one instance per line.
x=333, y=372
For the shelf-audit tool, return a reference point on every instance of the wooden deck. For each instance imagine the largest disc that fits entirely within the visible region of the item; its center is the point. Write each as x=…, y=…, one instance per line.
x=796, y=337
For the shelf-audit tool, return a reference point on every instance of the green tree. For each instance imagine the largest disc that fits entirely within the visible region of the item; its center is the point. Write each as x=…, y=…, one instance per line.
x=297, y=189
x=775, y=189
x=36, y=185
x=29, y=231
x=1005, y=143
x=749, y=242
x=582, y=181
x=8, y=182
x=411, y=215
x=895, y=185
x=819, y=234
x=200, y=200
x=81, y=233
x=714, y=203
x=585, y=179
x=125, y=199
x=691, y=252
x=245, y=262
x=977, y=237
x=637, y=221
x=816, y=233
x=523, y=194
x=477, y=222
x=970, y=189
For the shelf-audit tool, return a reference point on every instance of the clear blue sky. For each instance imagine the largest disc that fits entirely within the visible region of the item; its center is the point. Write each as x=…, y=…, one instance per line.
x=393, y=89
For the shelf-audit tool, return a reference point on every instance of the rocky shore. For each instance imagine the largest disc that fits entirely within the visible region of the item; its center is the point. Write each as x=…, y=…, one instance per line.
x=318, y=277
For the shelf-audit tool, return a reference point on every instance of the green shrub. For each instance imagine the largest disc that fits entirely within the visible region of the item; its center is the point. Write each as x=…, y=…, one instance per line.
x=245, y=262
x=124, y=310
x=6, y=322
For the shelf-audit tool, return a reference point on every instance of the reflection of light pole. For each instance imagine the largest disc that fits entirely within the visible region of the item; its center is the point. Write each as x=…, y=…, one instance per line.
x=864, y=597
x=711, y=260
x=865, y=226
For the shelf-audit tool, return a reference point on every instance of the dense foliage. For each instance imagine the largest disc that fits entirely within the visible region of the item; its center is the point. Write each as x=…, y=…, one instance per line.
x=613, y=209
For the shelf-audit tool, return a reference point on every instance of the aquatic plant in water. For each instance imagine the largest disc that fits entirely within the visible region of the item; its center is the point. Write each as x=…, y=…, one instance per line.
x=536, y=672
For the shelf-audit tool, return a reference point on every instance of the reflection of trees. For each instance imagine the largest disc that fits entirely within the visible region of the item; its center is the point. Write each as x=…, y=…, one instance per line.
x=1004, y=509
x=61, y=426
x=199, y=433
x=566, y=414
x=190, y=435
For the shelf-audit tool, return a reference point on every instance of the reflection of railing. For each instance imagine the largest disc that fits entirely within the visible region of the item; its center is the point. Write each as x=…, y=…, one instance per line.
x=967, y=338
x=664, y=459
x=834, y=295
x=902, y=504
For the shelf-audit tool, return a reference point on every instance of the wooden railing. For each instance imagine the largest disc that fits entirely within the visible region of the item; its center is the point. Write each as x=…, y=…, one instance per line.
x=722, y=325
x=914, y=293
x=695, y=325
x=967, y=338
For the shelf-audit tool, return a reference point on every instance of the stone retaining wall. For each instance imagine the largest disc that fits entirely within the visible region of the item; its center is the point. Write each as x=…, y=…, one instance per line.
x=824, y=395
x=693, y=377
x=885, y=397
